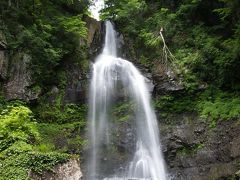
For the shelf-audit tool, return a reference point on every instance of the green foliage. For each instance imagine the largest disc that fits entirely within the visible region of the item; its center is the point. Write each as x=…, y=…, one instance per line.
x=45, y=161
x=175, y=104
x=122, y=111
x=61, y=137
x=49, y=113
x=190, y=150
x=16, y=125
x=223, y=106
x=20, y=144
x=203, y=36
x=60, y=125
x=213, y=105
x=122, y=9
x=16, y=165
x=74, y=24
x=49, y=31
x=150, y=39
x=230, y=9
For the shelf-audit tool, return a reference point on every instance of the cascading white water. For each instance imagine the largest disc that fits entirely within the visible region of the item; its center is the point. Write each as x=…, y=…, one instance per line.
x=109, y=74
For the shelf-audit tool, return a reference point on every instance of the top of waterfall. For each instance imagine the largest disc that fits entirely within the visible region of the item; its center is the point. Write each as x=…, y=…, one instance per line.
x=110, y=47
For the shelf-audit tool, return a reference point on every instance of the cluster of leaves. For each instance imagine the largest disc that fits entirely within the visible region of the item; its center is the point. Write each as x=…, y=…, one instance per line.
x=217, y=105
x=212, y=105
x=58, y=112
x=67, y=113
x=190, y=150
x=49, y=31
x=18, y=140
x=60, y=125
x=65, y=138
x=17, y=163
x=16, y=125
x=123, y=111
x=179, y=103
x=203, y=36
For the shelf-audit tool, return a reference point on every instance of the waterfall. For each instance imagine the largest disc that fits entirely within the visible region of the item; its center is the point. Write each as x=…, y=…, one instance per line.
x=110, y=76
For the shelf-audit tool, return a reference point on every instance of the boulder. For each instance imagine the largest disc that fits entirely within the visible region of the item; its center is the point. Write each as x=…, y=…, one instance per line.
x=67, y=171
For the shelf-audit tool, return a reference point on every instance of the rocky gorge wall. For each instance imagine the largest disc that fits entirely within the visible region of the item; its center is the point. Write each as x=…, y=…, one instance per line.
x=193, y=150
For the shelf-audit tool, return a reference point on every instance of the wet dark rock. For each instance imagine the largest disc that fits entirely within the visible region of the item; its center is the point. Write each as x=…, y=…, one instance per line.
x=194, y=151
x=77, y=78
x=235, y=146
x=54, y=92
x=4, y=59
x=165, y=80
x=19, y=82
x=77, y=85
x=95, y=36
x=16, y=75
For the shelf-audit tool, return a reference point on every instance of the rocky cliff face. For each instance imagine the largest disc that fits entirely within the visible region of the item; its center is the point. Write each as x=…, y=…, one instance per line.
x=16, y=76
x=19, y=79
x=95, y=38
x=3, y=58
x=194, y=151
x=77, y=80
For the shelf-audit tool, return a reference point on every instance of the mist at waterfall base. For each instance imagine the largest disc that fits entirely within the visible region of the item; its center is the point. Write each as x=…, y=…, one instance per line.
x=115, y=80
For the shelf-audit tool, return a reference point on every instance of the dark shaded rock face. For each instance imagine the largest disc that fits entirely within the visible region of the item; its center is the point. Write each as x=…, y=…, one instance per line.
x=19, y=79
x=77, y=85
x=95, y=39
x=165, y=79
x=15, y=74
x=78, y=80
x=192, y=150
x=3, y=58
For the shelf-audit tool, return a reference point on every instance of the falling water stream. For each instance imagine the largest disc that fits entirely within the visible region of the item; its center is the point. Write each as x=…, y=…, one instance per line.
x=110, y=75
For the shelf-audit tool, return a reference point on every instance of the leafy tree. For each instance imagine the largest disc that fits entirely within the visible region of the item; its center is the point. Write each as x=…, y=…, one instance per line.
x=49, y=31
x=202, y=34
